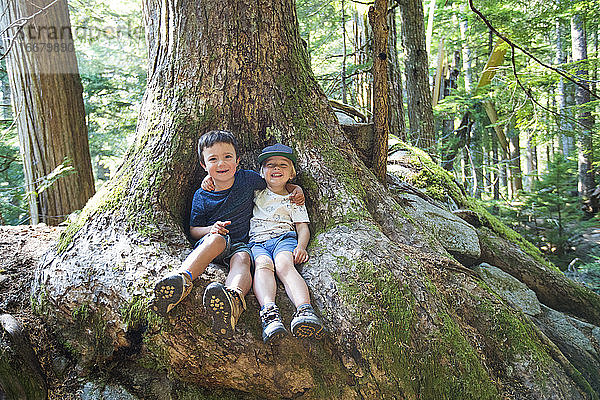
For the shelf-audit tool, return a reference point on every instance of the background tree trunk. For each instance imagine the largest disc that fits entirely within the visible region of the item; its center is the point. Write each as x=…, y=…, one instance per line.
x=396, y=102
x=516, y=173
x=48, y=107
x=405, y=319
x=563, y=123
x=582, y=97
x=420, y=111
x=381, y=128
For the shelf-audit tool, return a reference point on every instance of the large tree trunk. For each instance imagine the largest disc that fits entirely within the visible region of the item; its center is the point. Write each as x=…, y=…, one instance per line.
x=420, y=111
x=48, y=107
x=405, y=320
x=582, y=98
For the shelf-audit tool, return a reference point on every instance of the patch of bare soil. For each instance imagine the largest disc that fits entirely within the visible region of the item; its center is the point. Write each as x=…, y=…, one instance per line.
x=21, y=247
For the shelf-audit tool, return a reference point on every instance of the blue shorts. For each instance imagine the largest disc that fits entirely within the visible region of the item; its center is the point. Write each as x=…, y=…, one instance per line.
x=286, y=242
x=230, y=249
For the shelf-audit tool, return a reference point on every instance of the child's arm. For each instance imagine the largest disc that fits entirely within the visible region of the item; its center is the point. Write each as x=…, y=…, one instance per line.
x=198, y=232
x=296, y=194
x=208, y=184
x=300, y=254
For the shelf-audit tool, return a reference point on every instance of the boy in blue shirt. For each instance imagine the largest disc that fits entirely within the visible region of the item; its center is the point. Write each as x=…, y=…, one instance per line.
x=220, y=221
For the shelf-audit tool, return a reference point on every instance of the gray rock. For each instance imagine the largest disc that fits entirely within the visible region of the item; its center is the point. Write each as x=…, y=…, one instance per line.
x=513, y=291
x=20, y=374
x=456, y=236
x=576, y=339
x=344, y=119
x=97, y=391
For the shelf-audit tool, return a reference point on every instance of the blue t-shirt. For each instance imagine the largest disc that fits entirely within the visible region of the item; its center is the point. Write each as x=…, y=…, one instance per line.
x=234, y=204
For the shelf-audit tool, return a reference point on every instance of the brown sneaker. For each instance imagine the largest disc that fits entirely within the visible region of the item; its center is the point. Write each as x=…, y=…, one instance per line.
x=169, y=291
x=225, y=306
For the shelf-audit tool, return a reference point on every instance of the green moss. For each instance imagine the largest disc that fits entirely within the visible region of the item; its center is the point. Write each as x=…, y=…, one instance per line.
x=39, y=301
x=156, y=357
x=447, y=366
x=107, y=199
x=189, y=392
x=136, y=314
x=327, y=372
x=515, y=336
x=90, y=327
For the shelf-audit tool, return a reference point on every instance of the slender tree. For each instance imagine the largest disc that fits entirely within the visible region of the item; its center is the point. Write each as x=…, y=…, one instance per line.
x=563, y=122
x=396, y=101
x=586, y=182
x=48, y=107
x=381, y=128
x=420, y=111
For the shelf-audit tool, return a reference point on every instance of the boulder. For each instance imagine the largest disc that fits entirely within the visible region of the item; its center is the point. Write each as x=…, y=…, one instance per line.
x=99, y=391
x=513, y=291
x=455, y=235
x=577, y=340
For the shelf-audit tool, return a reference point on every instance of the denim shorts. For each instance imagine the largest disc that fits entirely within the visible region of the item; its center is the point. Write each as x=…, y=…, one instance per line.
x=286, y=242
x=230, y=249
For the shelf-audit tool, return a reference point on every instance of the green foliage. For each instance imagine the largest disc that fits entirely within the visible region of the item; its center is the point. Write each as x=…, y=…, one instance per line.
x=109, y=39
x=552, y=199
x=13, y=203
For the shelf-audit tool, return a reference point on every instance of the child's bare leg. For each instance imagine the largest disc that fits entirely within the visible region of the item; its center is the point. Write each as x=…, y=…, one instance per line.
x=265, y=287
x=305, y=323
x=239, y=272
x=197, y=261
x=295, y=286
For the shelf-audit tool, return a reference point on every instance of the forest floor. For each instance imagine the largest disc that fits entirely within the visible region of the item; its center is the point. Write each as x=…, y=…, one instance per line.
x=21, y=247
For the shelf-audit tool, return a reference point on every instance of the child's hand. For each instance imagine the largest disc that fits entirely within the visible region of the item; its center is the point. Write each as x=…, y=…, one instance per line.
x=219, y=227
x=208, y=184
x=300, y=255
x=297, y=196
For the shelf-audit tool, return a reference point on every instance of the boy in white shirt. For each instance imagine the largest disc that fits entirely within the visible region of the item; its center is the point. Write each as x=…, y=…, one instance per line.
x=279, y=235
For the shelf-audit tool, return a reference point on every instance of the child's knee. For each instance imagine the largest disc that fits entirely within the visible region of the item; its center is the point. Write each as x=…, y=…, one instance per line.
x=240, y=261
x=214, y=241
x=263, y=263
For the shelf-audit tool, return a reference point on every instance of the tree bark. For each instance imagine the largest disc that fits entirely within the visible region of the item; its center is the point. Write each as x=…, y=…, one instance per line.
x=563, y=124
x=404, y=319
x=48, y=107
x=466, y=48
x=516, y=173
x=396, y=101
x=585, y=158
x=344, y=89
x=381, y=129
x=420, y=111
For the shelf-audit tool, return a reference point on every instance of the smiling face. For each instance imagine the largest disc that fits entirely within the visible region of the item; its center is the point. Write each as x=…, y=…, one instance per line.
x=278, y=171
x=220, y=162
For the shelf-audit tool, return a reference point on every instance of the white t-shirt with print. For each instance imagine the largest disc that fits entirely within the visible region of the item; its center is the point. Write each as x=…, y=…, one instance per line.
x=274, y=215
